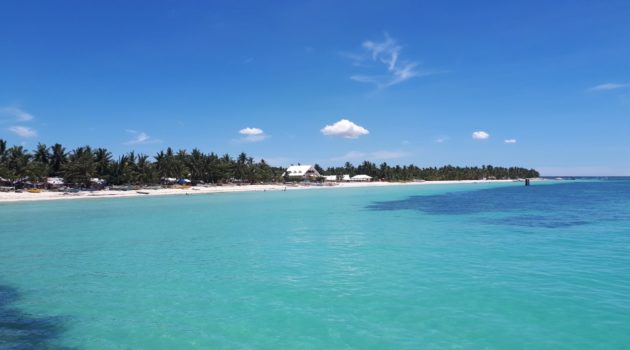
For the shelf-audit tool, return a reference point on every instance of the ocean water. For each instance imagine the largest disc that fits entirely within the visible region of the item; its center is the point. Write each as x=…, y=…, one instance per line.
x=480, y=266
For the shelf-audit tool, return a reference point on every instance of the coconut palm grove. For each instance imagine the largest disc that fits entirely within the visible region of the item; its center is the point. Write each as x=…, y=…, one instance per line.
x=78, y=166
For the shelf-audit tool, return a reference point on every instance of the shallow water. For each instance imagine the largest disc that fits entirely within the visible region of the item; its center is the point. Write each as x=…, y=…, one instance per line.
x=481, y=266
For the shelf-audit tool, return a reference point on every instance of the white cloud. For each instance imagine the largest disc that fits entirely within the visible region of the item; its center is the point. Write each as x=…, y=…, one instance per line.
x=480, y=135
x=377, y=155
x=609, y=86
x=386, y=52
x=252, y=135
x=251, y=131
x=140, y=138
x=344, y=128
x=510, y=141
x=23, y=131
x=16, y=113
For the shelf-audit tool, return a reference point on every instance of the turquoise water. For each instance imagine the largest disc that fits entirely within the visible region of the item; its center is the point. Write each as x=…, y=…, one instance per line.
x=483, y=266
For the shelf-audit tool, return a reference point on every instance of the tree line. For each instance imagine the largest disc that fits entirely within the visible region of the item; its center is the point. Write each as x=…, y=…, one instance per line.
x=411, y=172
x=80, y=165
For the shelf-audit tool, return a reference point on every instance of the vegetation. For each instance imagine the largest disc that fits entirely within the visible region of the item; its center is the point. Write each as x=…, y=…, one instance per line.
x=412, y=172
x=82, y=164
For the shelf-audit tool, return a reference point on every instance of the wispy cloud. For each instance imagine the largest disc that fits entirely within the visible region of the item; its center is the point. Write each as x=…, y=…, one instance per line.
x=252, y=135
x=384, y=155
x=609, y=87
x=387, y=53
x=480, y=135
x=15, y=114
x=376, y=155
x=510, y=141
x=352, y=155
x=344, y=128
x=442, y=139
x=140, y=138
x=23, y=131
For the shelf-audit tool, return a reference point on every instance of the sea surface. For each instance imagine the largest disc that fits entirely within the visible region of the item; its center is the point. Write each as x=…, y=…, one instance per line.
x=478, y=266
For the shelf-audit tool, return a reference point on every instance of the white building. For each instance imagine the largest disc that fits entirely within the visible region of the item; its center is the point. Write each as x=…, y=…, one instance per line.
x=330, y=177
x=54, y=182
x=345, y=178
x=361, y=178
x=306, y=172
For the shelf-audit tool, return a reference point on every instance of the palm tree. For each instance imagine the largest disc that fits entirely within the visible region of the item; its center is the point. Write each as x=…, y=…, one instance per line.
x=4, y=171
x=195, y=164
x=226, y=168
x=3, y=150
x=57, y=159
x=17, y=162
x=241, y=166
x=102, y=159
x=80, y=167
x=145, y=169
x=41, y=154
x=212, y=168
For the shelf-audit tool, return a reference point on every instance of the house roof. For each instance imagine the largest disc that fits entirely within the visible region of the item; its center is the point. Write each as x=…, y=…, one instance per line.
x=55, y=181
x=301, y=170
x=361, y=177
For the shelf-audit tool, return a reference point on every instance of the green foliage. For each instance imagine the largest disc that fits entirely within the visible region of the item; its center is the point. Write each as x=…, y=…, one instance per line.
x=82, y=164
x=411, y=172
x=80, y=167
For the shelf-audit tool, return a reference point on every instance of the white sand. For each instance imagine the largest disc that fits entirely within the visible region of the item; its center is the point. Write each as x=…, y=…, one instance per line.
x=195, y=190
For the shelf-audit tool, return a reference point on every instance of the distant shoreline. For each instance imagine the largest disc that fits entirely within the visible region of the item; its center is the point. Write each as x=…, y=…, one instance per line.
x=13, y=197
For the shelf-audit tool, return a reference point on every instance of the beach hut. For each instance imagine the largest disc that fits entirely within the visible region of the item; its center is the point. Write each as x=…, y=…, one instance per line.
x=6, y=185
x=97, y=183
x=168, y=180
x=361, y=178
x=306, y=172
x=54, y=182
x=330, y=178
x=345, y=178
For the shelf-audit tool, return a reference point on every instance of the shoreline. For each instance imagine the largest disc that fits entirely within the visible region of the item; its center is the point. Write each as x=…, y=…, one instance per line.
x=14, y=197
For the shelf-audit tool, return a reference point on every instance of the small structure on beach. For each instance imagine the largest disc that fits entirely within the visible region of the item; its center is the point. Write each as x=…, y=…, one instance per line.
x=361, y=178
x=345, y=178
x=330, y=178
x=306, y=172
x=168, y=180
x=5, y=182
x=97, y=183
x=54, y=182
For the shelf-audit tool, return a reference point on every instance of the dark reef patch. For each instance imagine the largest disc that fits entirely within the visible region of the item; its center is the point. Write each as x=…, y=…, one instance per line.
x=549, y=206
x=21, y=331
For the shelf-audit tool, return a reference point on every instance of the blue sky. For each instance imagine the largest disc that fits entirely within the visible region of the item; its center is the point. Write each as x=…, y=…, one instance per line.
x=413, y=80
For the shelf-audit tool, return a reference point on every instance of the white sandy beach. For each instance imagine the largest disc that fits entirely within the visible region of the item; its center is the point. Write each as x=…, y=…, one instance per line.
x=197, y=190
